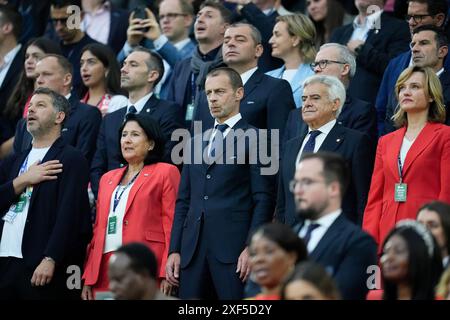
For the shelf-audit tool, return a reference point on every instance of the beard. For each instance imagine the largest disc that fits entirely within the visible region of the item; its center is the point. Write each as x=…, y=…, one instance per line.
x=307, y=214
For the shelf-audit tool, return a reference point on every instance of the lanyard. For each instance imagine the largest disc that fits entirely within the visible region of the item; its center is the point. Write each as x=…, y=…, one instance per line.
x=400, y=169
x=118, y=196
x=193, y=88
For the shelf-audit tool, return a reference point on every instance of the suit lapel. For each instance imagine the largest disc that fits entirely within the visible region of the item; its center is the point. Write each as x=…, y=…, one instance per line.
x=333, y=139
x=252, y=84
x=111, y=185
x=394, y=145
x=425, y=137
x=328, y=238
x=150, y=106
x=143, y=177
x=15, y=65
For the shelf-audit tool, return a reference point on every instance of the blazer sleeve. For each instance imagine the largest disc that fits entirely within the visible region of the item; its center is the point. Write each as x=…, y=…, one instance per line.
x=374, y=207
x=87, y=137
x=171, y=120
x=169, y=197
x=280, y=104
x=280, y=209
x=100, y=160
x=8, y=195
x=383, y=96
x=444, y=195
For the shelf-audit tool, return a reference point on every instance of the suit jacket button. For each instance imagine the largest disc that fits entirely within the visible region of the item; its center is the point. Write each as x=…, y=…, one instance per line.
x=205, y=197
x=126, y=222
x=208, y=176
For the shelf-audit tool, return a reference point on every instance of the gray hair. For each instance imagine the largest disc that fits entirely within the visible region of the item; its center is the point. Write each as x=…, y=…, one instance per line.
x=335, y=87
x=59, y=102
x=255, y=34
x=345, y=55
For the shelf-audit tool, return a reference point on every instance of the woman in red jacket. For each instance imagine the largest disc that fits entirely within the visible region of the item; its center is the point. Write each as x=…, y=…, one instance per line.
x=412, y=163
x=135, y=203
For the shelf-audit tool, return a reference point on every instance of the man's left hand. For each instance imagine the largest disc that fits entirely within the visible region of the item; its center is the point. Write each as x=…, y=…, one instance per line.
x=243, y=266
x=351, y=45
x=43, y=273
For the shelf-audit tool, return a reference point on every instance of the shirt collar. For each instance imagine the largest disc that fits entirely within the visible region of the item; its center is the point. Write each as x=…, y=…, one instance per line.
x=139, y=105
x=325, y=221
x=440, y=72
x=247, y=75
x=232, y=121
x=326, y=128
x=106, y=6
x=180, y=44
x=210, y=55
x=11, y=54
x=369, y=21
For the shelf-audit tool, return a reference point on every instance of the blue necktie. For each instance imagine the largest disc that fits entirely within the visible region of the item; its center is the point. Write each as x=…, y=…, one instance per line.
x=309, y=231
x=218, y=138
x=132, y=109
x=311, y=143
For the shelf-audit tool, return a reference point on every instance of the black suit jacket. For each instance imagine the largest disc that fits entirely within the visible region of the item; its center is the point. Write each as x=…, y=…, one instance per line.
x=80, y=129
x=228, y=200
x=356, y=114
x=266, y=104
x=58, y=223
x=354, y=147
x=346, y=251
x=166, y=113
x=381, y=46
x=118, y=29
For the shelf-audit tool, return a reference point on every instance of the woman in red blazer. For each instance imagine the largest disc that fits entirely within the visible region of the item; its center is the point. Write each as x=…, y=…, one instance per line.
x=135, y=203
x=420, y=150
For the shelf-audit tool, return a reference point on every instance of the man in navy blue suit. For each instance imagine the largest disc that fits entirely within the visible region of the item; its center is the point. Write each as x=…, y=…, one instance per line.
x=45, y=223
x=140, y=73
x=83, y=122
x=220, y=202
x=323, y=97
x=342, y=248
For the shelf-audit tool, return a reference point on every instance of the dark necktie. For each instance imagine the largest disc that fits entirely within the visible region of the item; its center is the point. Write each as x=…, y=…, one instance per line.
x=311, y=143
x=218, y=138
x=309, y=231
x=132, y=109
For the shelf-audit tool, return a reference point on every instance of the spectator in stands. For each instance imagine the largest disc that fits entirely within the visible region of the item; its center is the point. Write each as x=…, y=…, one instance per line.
x=81, y=127
x=420, y=12
x=323, y=98
x=17, y=104
x=411, y=165
x=436, y=217
x=429, y=48
x=105, y=23
x=44, y=205
x=336, y=60
x=375, y=38
x=72, y=38
x=170, y=38
x=293, y=42
x=135, y=203
x=187, y=81
x=273, y=253
x=100, y=73
x=327, y=15
x=140, y=73
x=133, y=274
x=410, y=262
x=338, y=245
x=11, y=59
x=309, y=281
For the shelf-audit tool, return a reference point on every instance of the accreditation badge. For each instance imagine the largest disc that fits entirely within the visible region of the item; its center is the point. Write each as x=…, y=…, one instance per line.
x=189, y=112
x=400, y=192
x=112, y=225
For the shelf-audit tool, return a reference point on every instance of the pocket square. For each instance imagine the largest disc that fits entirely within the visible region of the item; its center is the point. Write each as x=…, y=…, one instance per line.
x=250, y=102
x=64, y=129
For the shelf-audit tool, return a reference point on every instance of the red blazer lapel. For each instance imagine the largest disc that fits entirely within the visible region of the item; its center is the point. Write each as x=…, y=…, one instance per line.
x=393, y=150
x=425, y=137
x=141, y=179
x=110, y=185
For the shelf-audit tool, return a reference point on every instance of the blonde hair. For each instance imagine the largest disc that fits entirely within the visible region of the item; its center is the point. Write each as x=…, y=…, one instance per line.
x=301, y=26
x=432, y=87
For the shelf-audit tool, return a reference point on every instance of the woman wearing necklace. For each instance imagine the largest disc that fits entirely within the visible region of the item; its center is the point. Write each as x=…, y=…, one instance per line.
x=135, y=203
x=412, y=163
x=100, y=73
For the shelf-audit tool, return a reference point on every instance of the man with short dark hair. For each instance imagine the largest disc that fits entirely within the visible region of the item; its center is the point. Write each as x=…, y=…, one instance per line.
x=342, y=248
x=141, y=71
x=45, y=223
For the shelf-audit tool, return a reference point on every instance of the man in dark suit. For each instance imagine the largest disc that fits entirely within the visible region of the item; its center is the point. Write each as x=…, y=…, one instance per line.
x=375, y=38
x=323, y=98
x=342, y=248
x=83, y=122
x=141, y=71
x=267, y=101
x=220, y=201
x=11, y=59
x=45, y=223
x=336, y=60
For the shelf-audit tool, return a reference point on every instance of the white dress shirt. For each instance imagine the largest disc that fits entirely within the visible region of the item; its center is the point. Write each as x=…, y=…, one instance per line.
x=247, y=74
x=230, y=122
x=360, y=30
x=139, y=105
x=7, y=61
x=324, y=131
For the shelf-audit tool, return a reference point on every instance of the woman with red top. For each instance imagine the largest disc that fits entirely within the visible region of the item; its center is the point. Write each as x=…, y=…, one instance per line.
x=273, y=253
x=17, y=104
x=412, y=163
x=100, y=73
x=136, y=203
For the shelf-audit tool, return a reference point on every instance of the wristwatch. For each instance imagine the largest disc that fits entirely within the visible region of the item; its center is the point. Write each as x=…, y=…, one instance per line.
x=358, y=49
x=49, y=259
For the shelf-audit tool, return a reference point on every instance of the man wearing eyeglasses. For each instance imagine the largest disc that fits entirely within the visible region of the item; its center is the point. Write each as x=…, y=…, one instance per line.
x=342, y=248
x=420, y=12
x=169, y=37
x=72, y=39
x=323, y=98
x=336, y=60
x=375, y=38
